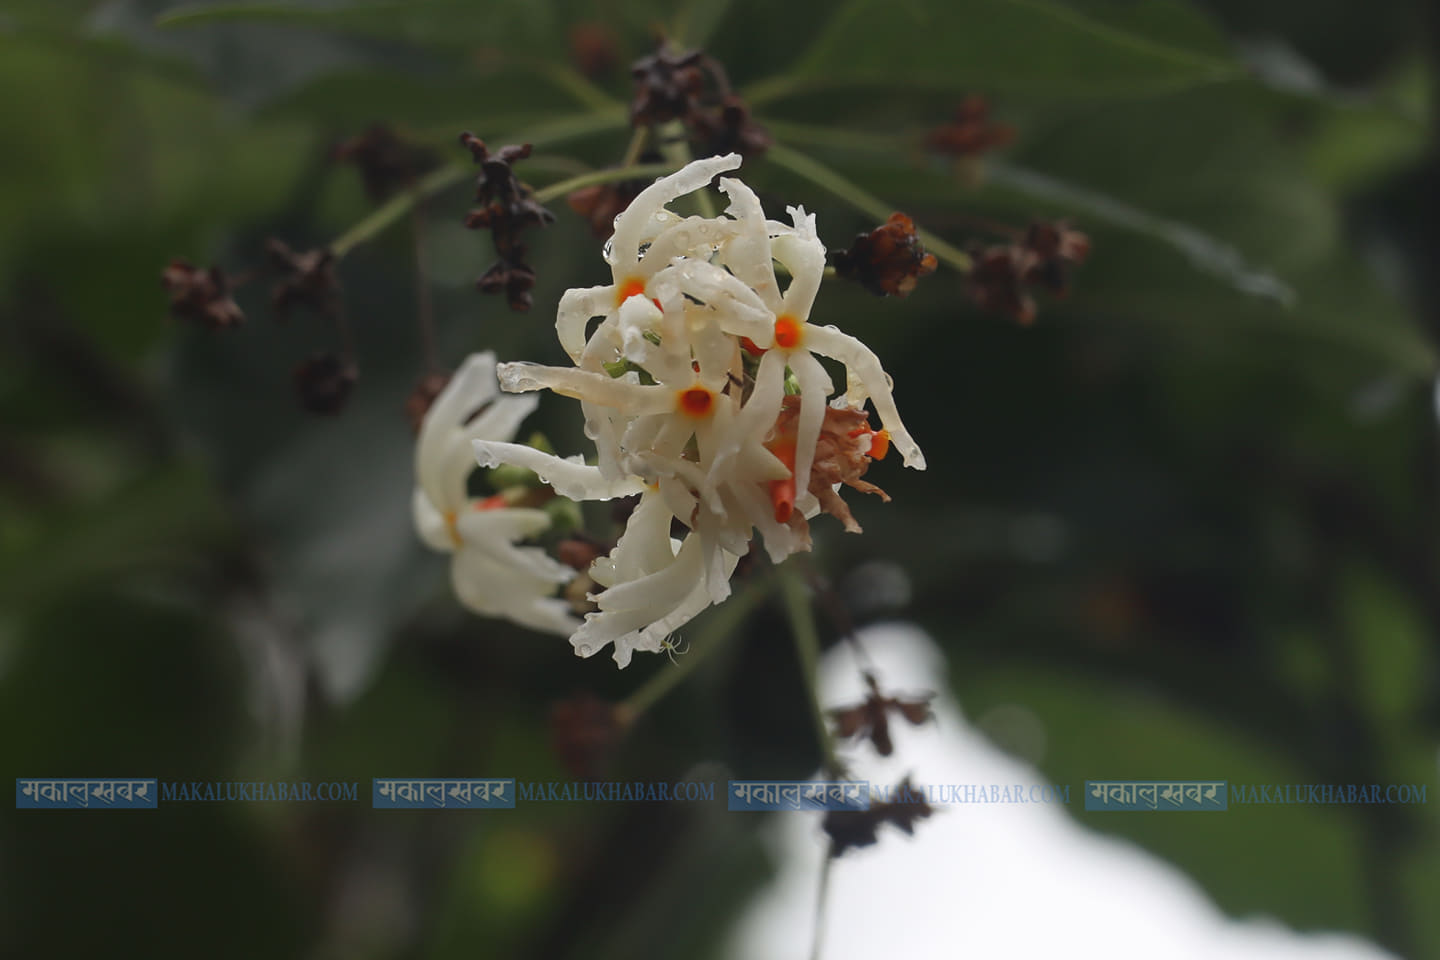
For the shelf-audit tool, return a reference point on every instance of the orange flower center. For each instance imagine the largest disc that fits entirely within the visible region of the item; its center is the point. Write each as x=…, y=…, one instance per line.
x=630, y=288
x=634, y=287
x=696, y=401
x=787, y=332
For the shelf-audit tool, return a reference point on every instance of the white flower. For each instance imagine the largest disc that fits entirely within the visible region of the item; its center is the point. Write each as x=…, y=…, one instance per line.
x=678, y=408
x=491, y=574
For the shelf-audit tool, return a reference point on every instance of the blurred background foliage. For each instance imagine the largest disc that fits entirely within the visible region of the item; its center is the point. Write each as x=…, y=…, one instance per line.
x=1187, y=519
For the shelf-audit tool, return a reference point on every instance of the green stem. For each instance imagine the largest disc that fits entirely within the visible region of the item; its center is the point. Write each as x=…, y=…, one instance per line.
x=801, y=614
x=841, y=138
x=636, y=146
x=396, y=208
x=720, y=625
x=827, y=179
x=609, y=175
x=434, y=182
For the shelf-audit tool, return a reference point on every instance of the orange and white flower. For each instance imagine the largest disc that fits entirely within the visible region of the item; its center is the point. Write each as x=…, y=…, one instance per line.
x=680, y=409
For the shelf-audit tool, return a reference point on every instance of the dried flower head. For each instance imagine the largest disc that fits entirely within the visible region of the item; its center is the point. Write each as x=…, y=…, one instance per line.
x=850, y=829
x=507, y=208
x=996, y=284
x=1051, y=249
x=387, y=164
x=1002, y=275
x=307, y=279
x=201, y=297
x=585, y=731
x=602, y=203
x=887, y=261
x=668, y=86
x=970, y=132
x=729, y=128
x=324, y=383
x=418, y=403
x=871, y=719
x=594, y=49
x=683, y=386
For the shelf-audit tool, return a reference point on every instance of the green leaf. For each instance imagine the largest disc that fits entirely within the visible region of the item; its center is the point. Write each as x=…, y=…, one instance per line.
x=1027, y=46
x=447, y=23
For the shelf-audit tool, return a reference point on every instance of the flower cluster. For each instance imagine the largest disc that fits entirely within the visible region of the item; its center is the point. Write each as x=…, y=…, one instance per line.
x=702, y=389
x=491, y=574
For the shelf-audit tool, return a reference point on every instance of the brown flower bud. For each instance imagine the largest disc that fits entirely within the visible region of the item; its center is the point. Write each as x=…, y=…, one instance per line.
x=324, y=383
x=585, y=731
x=887, y=261
x=201, y=297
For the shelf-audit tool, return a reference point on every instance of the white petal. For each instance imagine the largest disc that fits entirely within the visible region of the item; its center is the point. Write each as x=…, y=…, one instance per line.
x=631, y=226
x=430, y=523
x=863, y=364
x=569, y=478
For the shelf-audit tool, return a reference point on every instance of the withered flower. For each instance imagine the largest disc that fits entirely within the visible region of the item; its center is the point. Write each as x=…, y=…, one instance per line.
x=594, y=49
x=996, y=283
x=668, y=86
x=887, y=261
x=200, y=296
x=387, y=164
x=694, y=89
x=1042, y=258
x=423, y=396
x=849, y=829
x=871, y=718
x=729, y=129
x=843, y=452
x=1051, y=249
x=324, y=383
x=508, y=207
x=970, y=132
x=308, y=279
x=585, y=731
x=602, y=203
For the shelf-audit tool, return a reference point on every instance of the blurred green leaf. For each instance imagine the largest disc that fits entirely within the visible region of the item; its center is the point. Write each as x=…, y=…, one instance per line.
x=1029, y=46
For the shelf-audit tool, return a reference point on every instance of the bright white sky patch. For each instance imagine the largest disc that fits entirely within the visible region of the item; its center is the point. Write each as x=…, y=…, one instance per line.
x=984, y=880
